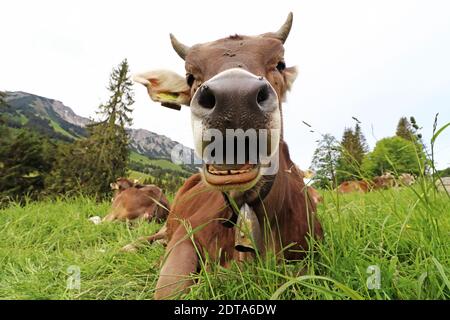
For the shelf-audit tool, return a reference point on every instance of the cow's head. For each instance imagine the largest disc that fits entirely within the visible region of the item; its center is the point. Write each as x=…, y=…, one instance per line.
x=232, y=83
x=122, y=184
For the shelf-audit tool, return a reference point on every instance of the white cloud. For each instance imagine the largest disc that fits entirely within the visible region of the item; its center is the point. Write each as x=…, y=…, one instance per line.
x=373, y=60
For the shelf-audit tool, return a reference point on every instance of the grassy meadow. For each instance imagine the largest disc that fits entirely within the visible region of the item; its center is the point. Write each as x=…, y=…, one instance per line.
x=404, y=233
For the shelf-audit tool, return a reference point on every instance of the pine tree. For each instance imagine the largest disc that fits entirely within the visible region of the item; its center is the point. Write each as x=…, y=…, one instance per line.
x=90, y=165
x=2, y=99
x=345, y=163
x=25, y=161
x=360, y=144
x=117, y=109
x=3, y=108
x=324, y=162
x=352, y=151
x=110, y=135
x=404, y=130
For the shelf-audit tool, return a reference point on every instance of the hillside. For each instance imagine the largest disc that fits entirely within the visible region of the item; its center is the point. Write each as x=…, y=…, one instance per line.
x=58, y=121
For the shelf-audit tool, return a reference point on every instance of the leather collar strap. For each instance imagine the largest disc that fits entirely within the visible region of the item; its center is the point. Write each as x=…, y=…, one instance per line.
x=231, y=222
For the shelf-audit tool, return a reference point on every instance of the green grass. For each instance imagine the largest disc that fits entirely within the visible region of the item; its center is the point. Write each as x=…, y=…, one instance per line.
x=404, y=232
x=398, y=231
x=41, y=241
x=132, y=174
x=21, y=118
x=58, y=129
x=162, y=163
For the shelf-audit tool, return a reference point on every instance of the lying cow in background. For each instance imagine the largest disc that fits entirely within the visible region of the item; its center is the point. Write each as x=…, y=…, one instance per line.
x=406, y=179
x=233, y=83
x=353, y=186
x=385, y=181
x=133, y=200
x=122, y=184
x=314, y=195
x=388, y=180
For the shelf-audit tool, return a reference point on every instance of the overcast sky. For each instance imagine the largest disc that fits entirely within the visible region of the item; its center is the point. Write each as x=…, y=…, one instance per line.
x=375, y=60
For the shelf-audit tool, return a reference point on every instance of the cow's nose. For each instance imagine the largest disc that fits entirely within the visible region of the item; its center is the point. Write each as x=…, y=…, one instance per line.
x=235, y=90
x=206, y=98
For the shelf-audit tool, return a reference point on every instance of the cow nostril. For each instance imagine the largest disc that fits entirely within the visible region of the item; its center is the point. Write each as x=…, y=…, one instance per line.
x=207, y=98
x=263, y=94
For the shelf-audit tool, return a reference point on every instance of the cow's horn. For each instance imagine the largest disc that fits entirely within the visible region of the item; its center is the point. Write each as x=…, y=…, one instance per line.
x=283, y=32
x=180, y=48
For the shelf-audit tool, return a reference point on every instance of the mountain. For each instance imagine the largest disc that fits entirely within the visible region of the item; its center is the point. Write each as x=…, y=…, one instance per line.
x=56, y=120
x=151, y=144
x=44, y=115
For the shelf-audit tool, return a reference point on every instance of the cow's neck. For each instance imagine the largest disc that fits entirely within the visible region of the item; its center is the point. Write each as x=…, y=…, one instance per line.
x=272, y=204
x=271, y=188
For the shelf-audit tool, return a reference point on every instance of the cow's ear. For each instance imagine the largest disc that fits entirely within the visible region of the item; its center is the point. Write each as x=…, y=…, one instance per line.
x=114, y=186
x=166, y=87
x=290, y=74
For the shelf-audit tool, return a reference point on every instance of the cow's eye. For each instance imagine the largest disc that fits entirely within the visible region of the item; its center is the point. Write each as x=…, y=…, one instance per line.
x=281, y=66
x=190, y=79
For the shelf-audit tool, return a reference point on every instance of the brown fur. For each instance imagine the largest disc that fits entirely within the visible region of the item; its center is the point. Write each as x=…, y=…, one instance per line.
x=314, y=195
x=258, y=55
x=385, y=181
x=146, y=201
x=354, y=186
x=287, y=212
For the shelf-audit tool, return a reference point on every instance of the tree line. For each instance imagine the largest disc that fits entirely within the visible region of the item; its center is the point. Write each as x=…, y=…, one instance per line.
x=350, y=159
x=167, y=179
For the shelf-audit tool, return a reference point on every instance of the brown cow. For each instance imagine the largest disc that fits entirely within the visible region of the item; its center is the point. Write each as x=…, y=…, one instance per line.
x=122, y=184
x=314, y=195
x=385, y=181
x=353, y=186
x=406, y=179
x=236, y=82
x=133, y=200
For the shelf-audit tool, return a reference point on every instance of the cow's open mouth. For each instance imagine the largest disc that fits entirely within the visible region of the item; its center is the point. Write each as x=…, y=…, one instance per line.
x=225, y=176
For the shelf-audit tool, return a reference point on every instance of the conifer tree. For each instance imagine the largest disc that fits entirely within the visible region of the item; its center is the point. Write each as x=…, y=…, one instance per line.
x=352, y=151
x=91, y=164
x=25, y=161
x=2, y=99
x=110, y=136
x=324, y=162
x=3, y=108
x=404, y=130
x=360, y=144
x=117, y=110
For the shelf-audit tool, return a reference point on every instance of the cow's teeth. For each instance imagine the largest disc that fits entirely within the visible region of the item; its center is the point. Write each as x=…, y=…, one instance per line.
x=212, y=170
x=240, y=171
x=218, y=172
